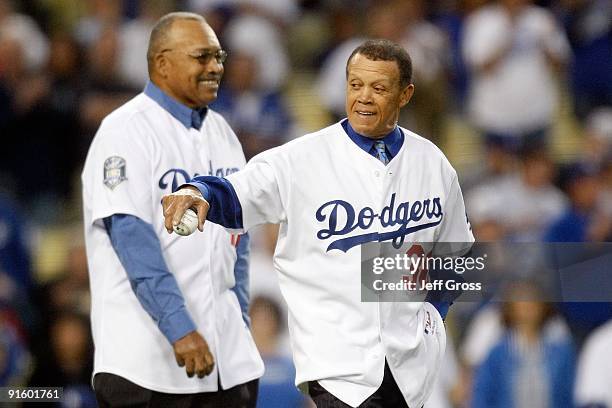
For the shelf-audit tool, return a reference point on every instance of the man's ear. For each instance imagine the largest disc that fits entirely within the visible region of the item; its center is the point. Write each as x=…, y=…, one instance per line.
x=162, y=65
x=406, y=94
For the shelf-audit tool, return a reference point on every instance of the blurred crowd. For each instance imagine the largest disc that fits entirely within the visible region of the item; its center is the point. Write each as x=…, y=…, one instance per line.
x=517, y=93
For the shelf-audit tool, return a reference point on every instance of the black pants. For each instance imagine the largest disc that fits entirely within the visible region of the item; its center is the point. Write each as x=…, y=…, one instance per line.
x=115, y=391
x=388, y=395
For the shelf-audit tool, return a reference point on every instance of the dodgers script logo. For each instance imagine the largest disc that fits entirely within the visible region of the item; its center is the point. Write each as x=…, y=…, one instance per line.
x=342, y=219
x=177, y=177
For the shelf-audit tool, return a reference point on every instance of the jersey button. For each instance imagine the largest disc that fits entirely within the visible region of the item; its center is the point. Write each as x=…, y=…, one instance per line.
x=377, y=173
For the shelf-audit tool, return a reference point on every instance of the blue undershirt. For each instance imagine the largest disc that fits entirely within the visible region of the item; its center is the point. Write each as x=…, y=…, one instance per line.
x=225, y=208
x=190, y=118
x=140, y=253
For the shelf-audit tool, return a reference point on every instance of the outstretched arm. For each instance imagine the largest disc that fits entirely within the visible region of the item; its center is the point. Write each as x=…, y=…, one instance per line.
x=212, y=198
x=241, y=201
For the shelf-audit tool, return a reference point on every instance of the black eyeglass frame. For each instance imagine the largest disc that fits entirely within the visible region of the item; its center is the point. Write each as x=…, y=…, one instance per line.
x=203, y=57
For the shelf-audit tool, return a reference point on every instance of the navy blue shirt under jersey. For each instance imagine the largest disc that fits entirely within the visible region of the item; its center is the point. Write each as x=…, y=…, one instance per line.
x=139, y=250
x=225, y=208
x=393, y=140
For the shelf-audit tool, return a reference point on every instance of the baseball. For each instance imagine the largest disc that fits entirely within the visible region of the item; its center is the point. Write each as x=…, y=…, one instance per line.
x=188, y=224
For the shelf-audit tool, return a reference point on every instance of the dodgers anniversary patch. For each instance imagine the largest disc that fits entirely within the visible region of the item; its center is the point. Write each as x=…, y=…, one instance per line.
x=114, y=171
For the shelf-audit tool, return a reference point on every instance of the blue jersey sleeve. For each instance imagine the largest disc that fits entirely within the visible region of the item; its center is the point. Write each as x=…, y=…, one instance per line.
x=139, y=251
x=225, y=209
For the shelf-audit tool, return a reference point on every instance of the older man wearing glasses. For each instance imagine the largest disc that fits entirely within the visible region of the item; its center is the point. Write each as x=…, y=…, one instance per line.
x=160, y=303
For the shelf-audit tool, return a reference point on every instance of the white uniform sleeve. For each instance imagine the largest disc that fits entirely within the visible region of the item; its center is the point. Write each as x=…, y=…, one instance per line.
x=455, y=226
x=257, y=188
x=118, y=172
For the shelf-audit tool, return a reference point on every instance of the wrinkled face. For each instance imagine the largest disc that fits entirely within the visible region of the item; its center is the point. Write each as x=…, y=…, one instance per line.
x=188, y=71
x=374, y=96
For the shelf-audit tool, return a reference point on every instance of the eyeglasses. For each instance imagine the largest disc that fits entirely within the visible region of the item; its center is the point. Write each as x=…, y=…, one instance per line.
x=206, y=56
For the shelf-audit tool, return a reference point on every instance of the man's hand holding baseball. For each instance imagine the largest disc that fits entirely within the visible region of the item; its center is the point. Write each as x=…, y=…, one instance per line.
x=191, y=352
x=175, y=205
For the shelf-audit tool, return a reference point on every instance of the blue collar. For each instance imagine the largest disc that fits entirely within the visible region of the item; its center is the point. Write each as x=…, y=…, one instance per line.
x=393, y=140
x=184, y=114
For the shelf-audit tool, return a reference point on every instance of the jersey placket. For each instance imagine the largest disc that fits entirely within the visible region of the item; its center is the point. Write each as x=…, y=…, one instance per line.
x=202, y=153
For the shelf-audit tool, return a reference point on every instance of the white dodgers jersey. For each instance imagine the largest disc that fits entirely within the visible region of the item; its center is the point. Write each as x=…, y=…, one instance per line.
x=140, y=153
x=329, y=197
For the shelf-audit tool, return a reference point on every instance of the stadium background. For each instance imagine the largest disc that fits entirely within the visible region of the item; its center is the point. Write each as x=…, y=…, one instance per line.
x=65, y=64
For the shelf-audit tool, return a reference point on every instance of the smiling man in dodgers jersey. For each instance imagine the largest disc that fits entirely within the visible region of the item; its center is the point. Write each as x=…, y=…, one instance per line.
x=160, y=303
x=360, y=180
